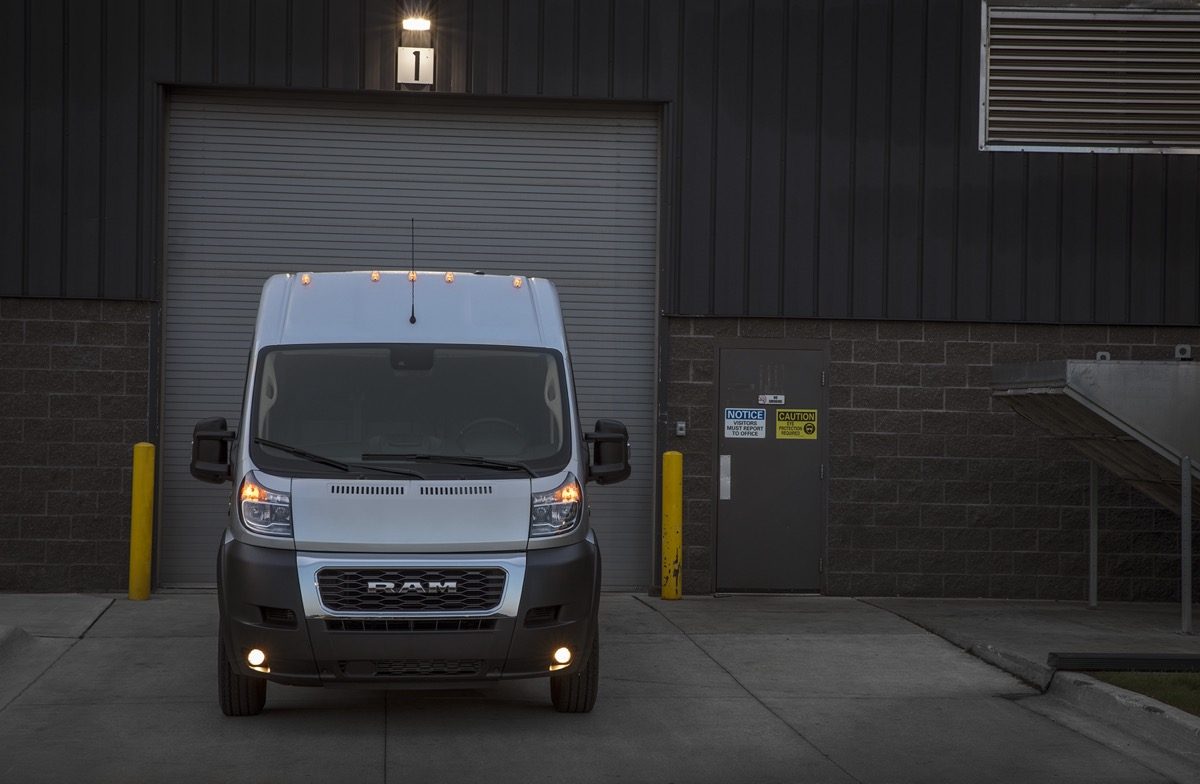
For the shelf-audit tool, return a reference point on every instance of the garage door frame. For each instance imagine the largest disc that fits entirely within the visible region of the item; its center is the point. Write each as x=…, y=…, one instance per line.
x=160, y=108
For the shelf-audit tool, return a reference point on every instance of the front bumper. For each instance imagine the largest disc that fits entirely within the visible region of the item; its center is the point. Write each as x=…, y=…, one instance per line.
x=257, y=586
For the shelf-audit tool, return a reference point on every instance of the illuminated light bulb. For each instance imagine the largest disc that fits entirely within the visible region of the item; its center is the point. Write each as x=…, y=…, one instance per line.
x=563, y=656
x=305, y=279
x=375, y=276
x=256, y=657
x=449, y=277
x=517, y=283
x=415, y=24
x=412, y=277
x=251, y=491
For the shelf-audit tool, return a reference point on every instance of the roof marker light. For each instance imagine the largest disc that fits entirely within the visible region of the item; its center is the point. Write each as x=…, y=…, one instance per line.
x=412, y=277
x=305, y=279
x=449, y=277
x=375, y=276
x=517, y=283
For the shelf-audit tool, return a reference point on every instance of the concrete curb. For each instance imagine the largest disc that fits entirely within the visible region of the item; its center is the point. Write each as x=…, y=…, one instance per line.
x=1033, y=673
x=1156, y=723
x=1166, y=728
x=1039, y=675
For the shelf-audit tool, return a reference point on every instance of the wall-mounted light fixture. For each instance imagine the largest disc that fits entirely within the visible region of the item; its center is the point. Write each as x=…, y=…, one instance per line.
x=414, y=58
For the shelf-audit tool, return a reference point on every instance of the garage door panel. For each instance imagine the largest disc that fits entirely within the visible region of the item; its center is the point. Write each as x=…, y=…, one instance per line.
x=464, y=189
x=228, y=212
x=264, y=184
x=538, y=249
x=531, y=129
x=481, y=160
x=224, y=237
x=439, y=135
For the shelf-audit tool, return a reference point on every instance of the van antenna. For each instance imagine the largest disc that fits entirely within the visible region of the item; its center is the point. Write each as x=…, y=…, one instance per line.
x=412, y=274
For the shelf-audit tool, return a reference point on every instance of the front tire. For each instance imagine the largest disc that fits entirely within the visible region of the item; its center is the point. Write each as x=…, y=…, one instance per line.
x=576, y=693
x=239, y=694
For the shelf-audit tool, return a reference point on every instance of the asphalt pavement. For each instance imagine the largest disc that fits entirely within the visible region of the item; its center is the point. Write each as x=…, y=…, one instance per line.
x=739, y=689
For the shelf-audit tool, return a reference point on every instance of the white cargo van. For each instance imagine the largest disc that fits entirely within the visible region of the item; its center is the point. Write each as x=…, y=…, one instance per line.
x=409, y=499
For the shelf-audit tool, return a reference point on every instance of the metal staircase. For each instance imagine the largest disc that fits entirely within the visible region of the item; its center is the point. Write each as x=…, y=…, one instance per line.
x=1140, y=420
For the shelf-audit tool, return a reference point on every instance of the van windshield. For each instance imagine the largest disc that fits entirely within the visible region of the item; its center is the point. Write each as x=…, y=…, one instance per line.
x=453, y=410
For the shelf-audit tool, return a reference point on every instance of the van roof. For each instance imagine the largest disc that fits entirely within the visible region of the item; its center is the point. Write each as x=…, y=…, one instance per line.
x=374, y=307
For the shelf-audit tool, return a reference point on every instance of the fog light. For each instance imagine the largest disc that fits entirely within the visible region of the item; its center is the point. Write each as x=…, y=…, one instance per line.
x=255, y=657
x=563, y=656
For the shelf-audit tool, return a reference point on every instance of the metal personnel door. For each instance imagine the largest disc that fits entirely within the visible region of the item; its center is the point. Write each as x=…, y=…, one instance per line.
x=770, y=490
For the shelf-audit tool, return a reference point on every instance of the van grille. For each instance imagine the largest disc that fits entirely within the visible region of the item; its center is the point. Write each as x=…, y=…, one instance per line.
x=410, y=625
x=417, y=590
x=400, y=668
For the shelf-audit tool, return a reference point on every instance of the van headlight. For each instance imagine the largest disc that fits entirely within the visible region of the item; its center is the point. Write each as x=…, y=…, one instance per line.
x=556, y=511
x=263, y=510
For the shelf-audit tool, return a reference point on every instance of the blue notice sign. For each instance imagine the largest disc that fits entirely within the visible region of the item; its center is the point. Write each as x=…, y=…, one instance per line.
x=745, y=423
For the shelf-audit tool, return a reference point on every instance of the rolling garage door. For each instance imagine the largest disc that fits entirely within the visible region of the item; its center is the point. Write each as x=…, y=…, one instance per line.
x=258, y=185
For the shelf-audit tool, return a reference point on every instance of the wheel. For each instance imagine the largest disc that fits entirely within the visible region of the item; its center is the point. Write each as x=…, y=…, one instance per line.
x=239, y=695
x=576, y=693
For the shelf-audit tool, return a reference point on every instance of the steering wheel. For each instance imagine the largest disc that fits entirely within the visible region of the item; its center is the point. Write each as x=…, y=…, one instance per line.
x=500, y=430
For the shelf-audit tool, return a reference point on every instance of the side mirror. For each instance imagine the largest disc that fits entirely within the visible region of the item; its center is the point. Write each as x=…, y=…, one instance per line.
x=210, y=451
x=610, y=462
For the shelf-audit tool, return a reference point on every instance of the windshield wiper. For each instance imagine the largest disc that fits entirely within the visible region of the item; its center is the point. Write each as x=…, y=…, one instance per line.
x=483, y=462
x=298, y=452
x=329, y=461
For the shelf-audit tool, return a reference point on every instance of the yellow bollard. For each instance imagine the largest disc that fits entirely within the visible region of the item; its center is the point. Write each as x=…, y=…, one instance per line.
x=672, y=524
x=141, y=521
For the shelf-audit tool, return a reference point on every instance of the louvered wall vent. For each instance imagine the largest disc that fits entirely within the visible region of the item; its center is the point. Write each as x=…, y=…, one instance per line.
x=1098, y=80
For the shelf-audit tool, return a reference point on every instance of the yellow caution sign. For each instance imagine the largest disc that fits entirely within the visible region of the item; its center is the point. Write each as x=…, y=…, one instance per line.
x=795, y=423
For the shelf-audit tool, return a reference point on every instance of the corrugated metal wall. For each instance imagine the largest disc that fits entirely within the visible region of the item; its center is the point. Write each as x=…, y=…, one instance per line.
x=821, y=155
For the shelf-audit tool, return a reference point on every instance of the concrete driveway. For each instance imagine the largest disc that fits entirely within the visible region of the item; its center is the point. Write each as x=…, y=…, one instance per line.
x=745, y=689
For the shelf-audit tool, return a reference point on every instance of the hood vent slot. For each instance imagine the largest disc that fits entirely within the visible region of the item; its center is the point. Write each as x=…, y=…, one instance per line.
x=458, y=490
x=366, y=490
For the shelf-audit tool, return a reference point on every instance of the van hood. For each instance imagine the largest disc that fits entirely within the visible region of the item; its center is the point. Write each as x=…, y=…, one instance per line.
x=333, y=515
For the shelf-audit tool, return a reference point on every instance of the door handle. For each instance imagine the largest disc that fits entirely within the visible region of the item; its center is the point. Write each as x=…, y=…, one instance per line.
x=725, y=478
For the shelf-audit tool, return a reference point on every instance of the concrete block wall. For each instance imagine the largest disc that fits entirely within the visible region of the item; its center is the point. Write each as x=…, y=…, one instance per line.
x=936, y=489
x=73, y=400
